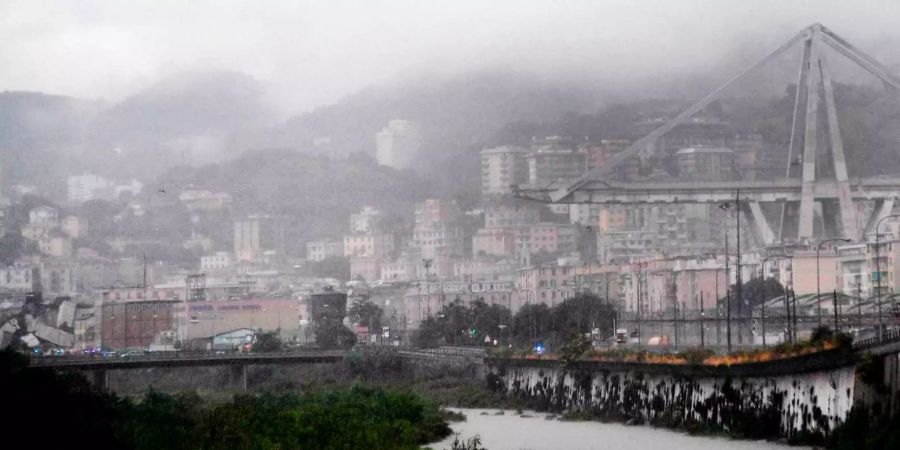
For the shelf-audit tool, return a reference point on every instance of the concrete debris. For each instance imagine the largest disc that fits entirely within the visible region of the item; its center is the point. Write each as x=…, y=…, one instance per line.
x=30, y=340
x=52, y=335
x=66, y=315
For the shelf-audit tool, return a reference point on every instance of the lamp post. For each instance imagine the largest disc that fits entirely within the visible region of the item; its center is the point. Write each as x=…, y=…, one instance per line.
x=878, y=270
x=818, y=291
x=725, y=207
x=675, y=305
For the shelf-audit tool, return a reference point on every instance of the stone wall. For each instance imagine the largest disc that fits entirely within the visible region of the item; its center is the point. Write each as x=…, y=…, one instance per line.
x=771, y=404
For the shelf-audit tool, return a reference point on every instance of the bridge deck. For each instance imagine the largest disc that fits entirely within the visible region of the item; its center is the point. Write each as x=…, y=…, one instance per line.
x=177, y=360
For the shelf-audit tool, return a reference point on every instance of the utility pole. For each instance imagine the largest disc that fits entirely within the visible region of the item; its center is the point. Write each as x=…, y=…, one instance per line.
x=787, y=314
x=878, y=270
x=859, y=302
x=837, y=313
x=737, y=280
x=764, y=323
x=675, y=305
x=725, y=207
x=794, y=299
x=702, y=323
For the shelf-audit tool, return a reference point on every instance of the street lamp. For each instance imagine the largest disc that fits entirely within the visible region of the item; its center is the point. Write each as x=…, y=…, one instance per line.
x=725, y=207
x=675, y=305
x=818, y=291
x=878, y=269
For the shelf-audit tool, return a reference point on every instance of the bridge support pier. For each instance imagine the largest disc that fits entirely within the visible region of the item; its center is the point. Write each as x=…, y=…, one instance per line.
x=101, y=379
x=239, y=376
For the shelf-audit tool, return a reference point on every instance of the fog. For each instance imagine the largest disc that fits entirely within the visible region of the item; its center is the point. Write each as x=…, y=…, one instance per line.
x=312, y=53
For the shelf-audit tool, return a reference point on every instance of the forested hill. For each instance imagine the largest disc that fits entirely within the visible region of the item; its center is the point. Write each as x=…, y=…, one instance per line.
x=315, y=194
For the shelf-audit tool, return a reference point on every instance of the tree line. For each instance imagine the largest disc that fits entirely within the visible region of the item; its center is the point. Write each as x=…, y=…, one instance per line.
x=481, y=324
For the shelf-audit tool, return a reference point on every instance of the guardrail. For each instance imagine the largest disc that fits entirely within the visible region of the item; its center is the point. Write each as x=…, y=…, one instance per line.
x=888, y=337
x=62, y=361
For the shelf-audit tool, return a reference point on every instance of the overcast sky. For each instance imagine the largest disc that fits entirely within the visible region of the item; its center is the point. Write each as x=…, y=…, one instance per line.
x=313, y=52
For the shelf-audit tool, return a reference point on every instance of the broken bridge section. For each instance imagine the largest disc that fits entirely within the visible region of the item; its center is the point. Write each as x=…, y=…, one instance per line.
x=817, y=198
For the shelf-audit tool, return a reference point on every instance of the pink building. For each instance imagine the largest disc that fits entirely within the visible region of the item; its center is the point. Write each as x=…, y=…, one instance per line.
x=366, y=267
x=425, y=299
x=494, y=242
x=547, y=284
x=803, y=271
x=377, y=245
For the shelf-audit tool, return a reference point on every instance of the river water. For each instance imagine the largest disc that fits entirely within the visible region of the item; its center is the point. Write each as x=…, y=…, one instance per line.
x=512, y=432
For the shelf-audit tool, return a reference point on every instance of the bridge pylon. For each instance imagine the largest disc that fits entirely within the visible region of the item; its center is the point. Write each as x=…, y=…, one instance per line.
x=827, y=204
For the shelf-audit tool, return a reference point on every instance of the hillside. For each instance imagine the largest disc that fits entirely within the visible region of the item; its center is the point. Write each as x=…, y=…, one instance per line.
x=456, y=114
x=314, y=194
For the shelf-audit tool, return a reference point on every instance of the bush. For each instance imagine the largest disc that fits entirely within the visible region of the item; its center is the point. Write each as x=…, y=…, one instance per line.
x=357, y=417
x=473, y=443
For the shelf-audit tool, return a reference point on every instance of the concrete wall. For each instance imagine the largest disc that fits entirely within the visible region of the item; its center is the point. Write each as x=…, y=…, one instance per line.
x=764, y=406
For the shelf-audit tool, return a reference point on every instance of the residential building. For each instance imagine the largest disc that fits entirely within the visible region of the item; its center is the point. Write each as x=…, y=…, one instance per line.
x=369, y=245
x=257, y=234
x=74, y=226
x=20, y=278
x=55, y=244
x=552, y=237
x=365, y=267
x=397, y=144
x=319, y=250
x=366, y=221
x=597, y=153
x=216, y=261
x=510, y=216
x=494, y=242
x=45, y=216
x=706, y=163
x=854, y=277
x=424, y=299
x=809, y=273
x=482, y=269
x=548, y=284
x=81, y=188
x=555, y=162
x=438, y=229
x=203, y=200
x=501, y=168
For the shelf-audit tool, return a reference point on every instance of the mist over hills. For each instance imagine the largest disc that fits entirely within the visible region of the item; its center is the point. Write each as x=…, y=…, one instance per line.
x=454, y=113
x=199, y=118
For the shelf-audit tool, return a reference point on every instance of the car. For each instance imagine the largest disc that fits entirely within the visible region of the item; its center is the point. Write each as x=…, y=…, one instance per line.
x=106, y=353
x=131, y=353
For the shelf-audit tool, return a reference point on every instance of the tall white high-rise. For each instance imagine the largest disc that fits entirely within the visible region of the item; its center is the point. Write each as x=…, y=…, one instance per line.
x=502, y=167
x=81, y=188
x=397, y=144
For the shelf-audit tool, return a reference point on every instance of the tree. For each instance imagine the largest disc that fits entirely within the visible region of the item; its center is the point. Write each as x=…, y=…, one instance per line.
x=365, y=313
x=332, y=334
x=530, y=324
x=12, y=246
x=756, y=291
x=267, y=342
